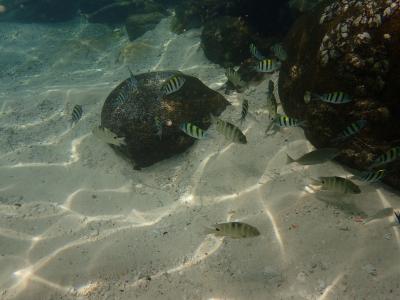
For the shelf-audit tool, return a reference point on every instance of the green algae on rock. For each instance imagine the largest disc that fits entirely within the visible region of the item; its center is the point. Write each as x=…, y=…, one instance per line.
x=349, y=46
x=138, y=118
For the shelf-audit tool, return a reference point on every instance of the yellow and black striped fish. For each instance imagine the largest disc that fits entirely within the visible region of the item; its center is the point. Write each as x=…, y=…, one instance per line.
x=234, y=230
x=335, y=97
x=387, y=157
x=255, y=53
x=173, y=84
x=234, y=78
x=193, y=131
x=245, y=109
x=76, y=115
x=338, y=185
x=285, y=121
x=351, y=130
x=372, y=176
x=268, y=65
x=272, y=105
x=229, y=131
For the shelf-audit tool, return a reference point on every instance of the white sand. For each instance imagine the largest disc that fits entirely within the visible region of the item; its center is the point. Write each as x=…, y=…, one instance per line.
x=76, y=222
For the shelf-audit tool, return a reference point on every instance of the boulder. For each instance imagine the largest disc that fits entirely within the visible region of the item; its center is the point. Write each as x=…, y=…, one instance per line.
x=138, y=24
x=352, y=47
x=138, y=119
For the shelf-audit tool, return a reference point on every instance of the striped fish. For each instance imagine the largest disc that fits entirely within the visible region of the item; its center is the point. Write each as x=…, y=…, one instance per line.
x=397, y=217
x=245, y=109
x=335, y=97
x=268, y=65
x=234, y=230
x=372, y=176
x=122, y=97
x=132, y=82
x=351, y=130
x=234, y=77
x=279, y=52
x=229, y=131
x=255, y=53
x=193, y=131
x=389, y=156
x=76, y=114
x=285, y=121
x=272, y=105
x=337, y=184
x=173, y=84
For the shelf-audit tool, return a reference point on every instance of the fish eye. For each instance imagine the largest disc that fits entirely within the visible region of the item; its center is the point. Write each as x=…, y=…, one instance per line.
x=217, y=229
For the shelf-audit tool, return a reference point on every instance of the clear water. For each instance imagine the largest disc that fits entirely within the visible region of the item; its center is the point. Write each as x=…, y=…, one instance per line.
x=77, y=222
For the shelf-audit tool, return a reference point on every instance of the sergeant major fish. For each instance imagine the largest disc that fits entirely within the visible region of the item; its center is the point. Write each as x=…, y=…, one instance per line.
x=335, y=97
x=279, y=51
x=173, y=84
x=235, y=230
x=351, y=130
x=285, y=121
x=76, y=114
x=245, y=109
x=255, y=53
x=229, y=131
x=337, y=184
x=318, y=156
x=272, y=105
x=193, y=131
x=268, y=65
x=371, y=177
x=108, y=136
x=387, y=157
x=234, y=78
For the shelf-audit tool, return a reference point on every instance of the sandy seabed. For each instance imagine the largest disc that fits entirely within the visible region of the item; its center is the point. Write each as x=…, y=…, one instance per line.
x=77, y=222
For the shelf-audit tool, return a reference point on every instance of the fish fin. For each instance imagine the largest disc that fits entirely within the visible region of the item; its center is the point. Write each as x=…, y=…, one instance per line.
x=289, y=159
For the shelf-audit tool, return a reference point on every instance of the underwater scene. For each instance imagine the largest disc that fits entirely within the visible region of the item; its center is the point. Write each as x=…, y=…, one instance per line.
x=199, y=149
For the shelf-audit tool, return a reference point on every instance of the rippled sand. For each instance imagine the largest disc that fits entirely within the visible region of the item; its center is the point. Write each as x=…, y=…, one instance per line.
x=76, y=222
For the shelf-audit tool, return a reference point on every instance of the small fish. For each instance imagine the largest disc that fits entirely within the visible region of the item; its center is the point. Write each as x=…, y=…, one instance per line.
x=108, y=136
x=279, y=52
x=255, y=53
x=285, y=121
x=337, y=184
x=389, y=156
x=132, y=82
x=159, y=126
x=372, y=176
x=235, y=230
x=230, y=131
x=351, y=130
x=173, y=84
x=335, y=97
x=234, y=78
x=76, y=114
x=397, y=217
x=383, y=213
x=315, y=157
x=268, y=65
x=193, y=131
x=272, y=105
x=245, y=109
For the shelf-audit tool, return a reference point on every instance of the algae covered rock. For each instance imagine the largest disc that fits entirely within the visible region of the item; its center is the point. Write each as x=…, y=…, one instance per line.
x=351, y=47
x=140, y=117
x=226, y=40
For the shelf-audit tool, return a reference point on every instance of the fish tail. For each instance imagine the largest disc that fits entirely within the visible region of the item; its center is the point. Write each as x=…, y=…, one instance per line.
x=289, y=159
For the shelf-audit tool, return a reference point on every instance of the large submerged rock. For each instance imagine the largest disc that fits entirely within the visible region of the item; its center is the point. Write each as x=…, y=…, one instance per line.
x=138, y=118
x=354, y=47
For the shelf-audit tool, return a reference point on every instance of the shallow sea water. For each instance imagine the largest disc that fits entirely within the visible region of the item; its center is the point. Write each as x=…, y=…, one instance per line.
x=77, y=222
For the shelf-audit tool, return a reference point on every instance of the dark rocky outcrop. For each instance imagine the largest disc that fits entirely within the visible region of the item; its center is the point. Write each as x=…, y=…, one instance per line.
x=138, y=24
x=354, y=49
x=136, y=119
